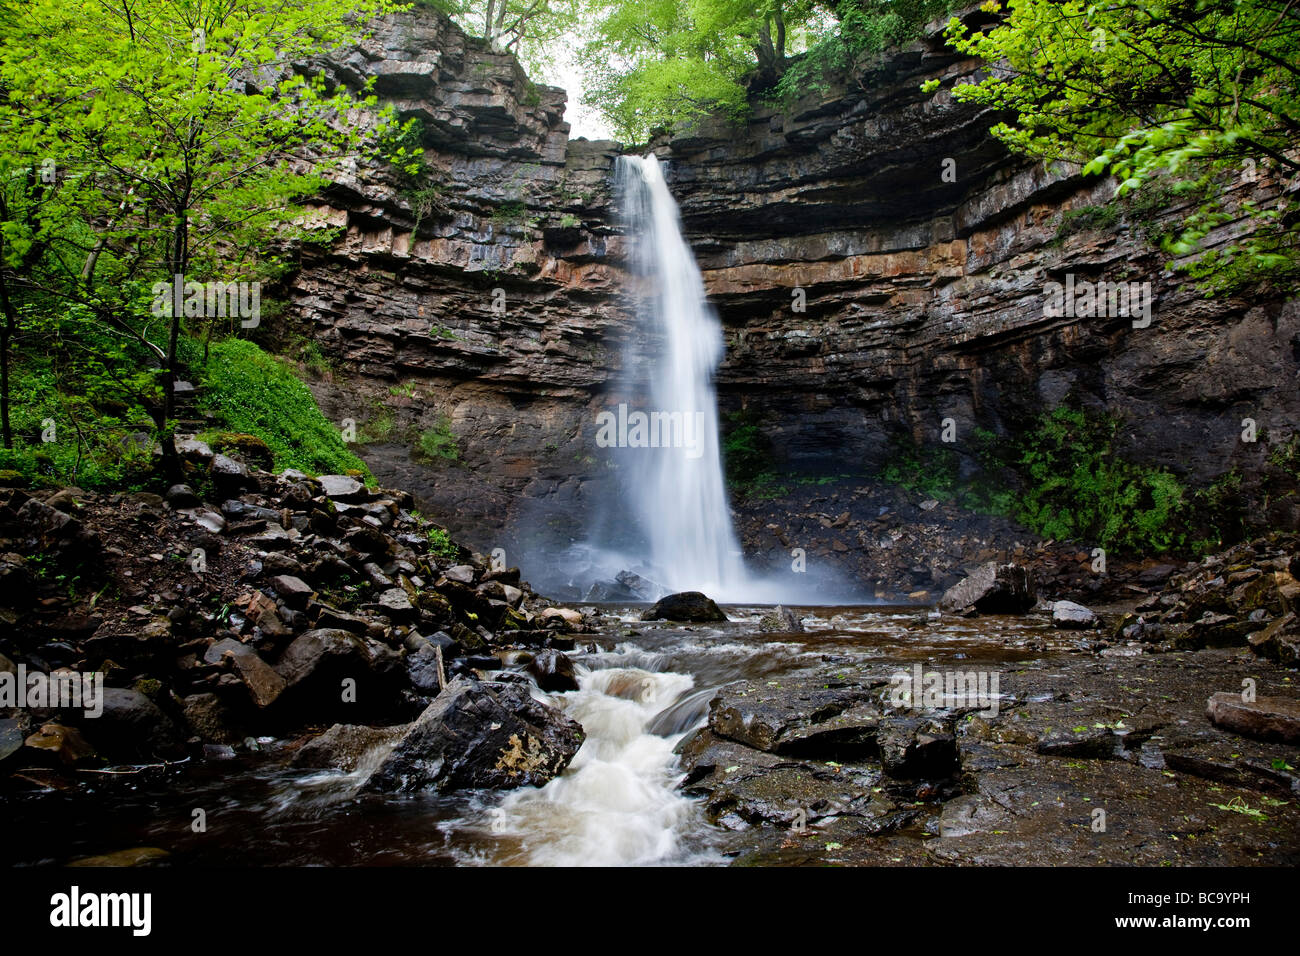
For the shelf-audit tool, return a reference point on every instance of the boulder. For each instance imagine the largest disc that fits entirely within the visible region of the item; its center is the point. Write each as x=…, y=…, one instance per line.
x=638, y=586
x=992, y=588
x=801, y=717
x=192, y=449
x=208, y=718
x=65, y=743
x=11, y=737
x=1279, y=641
x=553, y=671
x=569, y=617
x=396, y=606
x=294, y=591
x=264, y=684
x=425, y=669
x=230, y=477
x=1070, y=616
x=317, y=663
x=608, y=592
x=480, y=735
x=132, y=727
x=460, y=573
x=1265, y=718
x=347, y=747
x=343, y=488
x=182, y=496
x=684, y=606
x=914, y=748
x=781, y=620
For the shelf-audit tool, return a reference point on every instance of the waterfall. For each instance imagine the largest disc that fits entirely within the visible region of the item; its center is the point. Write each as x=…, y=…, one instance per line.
x=674, y=482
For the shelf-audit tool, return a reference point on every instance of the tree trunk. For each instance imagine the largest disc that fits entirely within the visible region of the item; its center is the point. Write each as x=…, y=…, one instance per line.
x=6, y=337
x=768, y=63
x=179, y=263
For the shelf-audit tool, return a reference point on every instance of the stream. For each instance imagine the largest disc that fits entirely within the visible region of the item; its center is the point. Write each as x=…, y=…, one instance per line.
x=642, y=688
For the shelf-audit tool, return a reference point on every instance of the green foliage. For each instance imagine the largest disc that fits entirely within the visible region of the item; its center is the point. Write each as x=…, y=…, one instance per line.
x=1087, y=219
x=400, y=144
x=1286, y=456
x=439, y=442
x=379, y=427
x=748, y=459
x=1160, y=91
x=865, y=28
x=157, y=158
x=90, y=448
x=926, y=469
x=511, y=213
x=936, y=472
x=258, y=394
x=1063, y=479
x=533, y=30
x=90, y=391
x=427, y=201
x=307, y=353
x=1222, y=512
x=440, y=543
x=1079, y=488
x=660, y=63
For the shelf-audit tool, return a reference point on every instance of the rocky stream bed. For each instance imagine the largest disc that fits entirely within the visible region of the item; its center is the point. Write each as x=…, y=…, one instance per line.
x=297, y=671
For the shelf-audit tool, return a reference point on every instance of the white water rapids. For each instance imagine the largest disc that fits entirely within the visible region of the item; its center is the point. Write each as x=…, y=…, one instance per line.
x=617, y=802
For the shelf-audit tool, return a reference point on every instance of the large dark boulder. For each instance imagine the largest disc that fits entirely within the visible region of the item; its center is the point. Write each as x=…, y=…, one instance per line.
x=553, y=671
x=480, y=734
x=317, y=664
x=993, y=589
x=132, y=727
x=684, y=606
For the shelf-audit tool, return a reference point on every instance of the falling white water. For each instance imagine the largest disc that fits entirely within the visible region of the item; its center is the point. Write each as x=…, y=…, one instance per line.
x=677, y=493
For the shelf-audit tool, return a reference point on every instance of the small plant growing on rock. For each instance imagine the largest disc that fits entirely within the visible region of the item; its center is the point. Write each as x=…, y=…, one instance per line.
x=440, y=543
x=439, y=442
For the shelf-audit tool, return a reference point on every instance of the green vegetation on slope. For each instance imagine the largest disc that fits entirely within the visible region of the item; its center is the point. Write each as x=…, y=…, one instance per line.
x=258, y=394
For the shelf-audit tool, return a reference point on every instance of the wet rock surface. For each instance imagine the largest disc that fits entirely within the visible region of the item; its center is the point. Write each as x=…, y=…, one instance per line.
x=480, y=734
x=1071, y=736
x=684, y=606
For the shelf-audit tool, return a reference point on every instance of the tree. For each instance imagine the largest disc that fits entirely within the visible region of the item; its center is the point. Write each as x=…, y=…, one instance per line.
x=530, y=29
x=180, y=139
x=655, y=63
x=1194, y=95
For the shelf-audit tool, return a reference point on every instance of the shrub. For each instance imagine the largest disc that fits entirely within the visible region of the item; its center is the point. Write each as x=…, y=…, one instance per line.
x=439, y=442
x=1078, y=487
x=440, y=543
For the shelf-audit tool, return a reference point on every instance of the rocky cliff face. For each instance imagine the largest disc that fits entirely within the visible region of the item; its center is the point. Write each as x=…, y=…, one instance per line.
x=925, y=298
x=473, y=300
x=484, y=298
